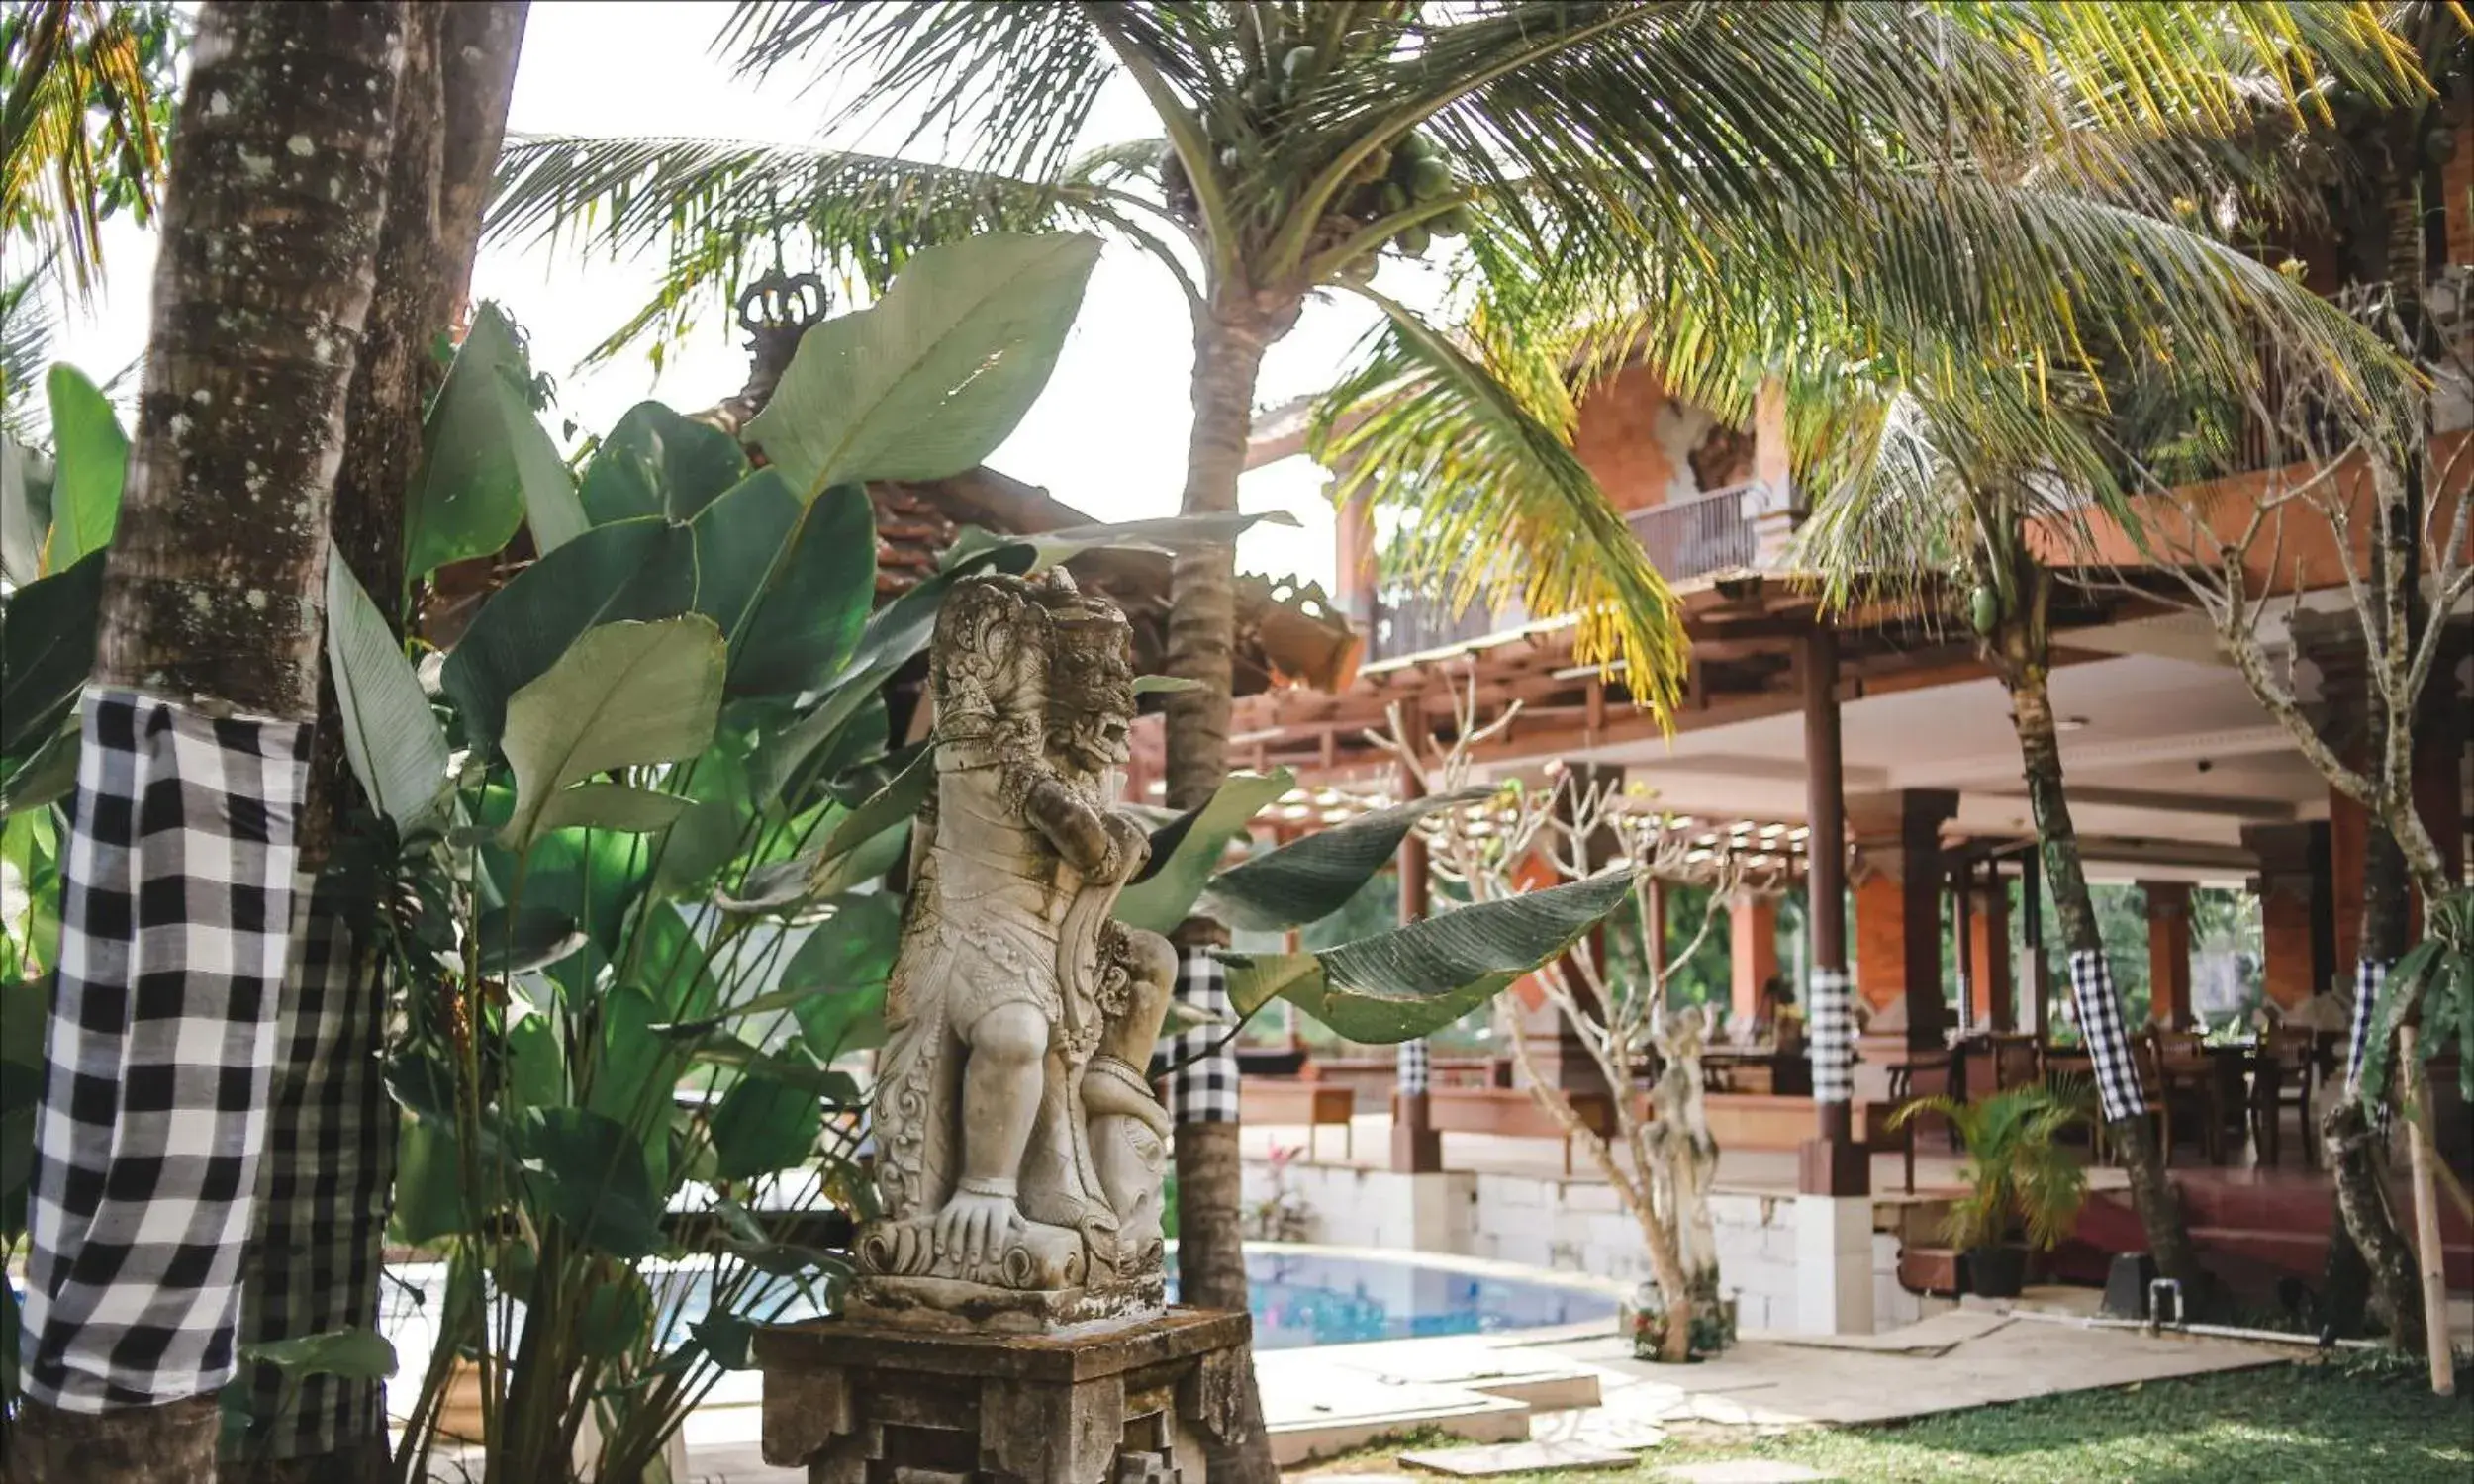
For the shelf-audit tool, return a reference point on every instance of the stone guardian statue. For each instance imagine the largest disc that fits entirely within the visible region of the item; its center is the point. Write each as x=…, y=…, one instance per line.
x=1020, y=1146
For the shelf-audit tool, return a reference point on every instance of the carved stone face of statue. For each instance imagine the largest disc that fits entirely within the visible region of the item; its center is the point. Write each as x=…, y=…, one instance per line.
x=1090, y=679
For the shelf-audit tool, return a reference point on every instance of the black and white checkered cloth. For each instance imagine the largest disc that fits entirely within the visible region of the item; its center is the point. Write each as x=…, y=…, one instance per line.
x=175, y=925
x=2108, y=1045
x=1204, y=1090
x=1416, y=1068
x=1830, y=1022
x=324, y=1185
x=2370, y=976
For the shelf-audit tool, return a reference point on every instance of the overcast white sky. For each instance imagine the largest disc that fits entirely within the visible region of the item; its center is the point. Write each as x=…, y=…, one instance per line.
x=1108, y=435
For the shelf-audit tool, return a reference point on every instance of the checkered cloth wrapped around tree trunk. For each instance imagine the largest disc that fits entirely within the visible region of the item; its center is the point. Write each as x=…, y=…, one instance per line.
x=2369, y=976
x=325, y=1186
x=177, y=909
x=2108, y=1045
x=1204, y=1090
x=1416, y=1068
x=1830, y=1020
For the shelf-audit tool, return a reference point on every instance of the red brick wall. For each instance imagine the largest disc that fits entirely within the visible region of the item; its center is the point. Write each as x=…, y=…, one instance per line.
x=1880, y=940
x=1615, y=443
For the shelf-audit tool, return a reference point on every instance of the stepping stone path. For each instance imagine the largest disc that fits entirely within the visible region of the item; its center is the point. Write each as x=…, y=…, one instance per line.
x=1742, y=1471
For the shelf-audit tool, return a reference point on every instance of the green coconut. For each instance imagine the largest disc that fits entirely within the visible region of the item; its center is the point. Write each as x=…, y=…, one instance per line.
x=1985, y=608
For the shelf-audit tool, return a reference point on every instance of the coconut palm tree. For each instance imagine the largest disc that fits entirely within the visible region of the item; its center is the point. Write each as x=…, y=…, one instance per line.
x=1837, y=150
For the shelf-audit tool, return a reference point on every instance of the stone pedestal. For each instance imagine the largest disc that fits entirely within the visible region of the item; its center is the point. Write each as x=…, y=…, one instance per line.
x=1833, y=1265
x=1131, y=1404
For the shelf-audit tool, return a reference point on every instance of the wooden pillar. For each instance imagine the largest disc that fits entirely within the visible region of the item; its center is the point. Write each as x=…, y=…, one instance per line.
x=2035, y=971
x=2168, y=952
x=1987, y=955
x=2297, y=917
x=1832, y=1162
x=1898, y=906
x=1416, y=1148
x=1752, y=952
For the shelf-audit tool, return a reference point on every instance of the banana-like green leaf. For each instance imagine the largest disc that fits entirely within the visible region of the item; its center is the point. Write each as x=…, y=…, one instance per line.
x=656, y=462
x=485, y=460
x=1164, y=685
x=47, y=646
x=627, y=694
x=602, y=805
x=526, y=939
x=90, y=463
x=358, y=1354
x=805, y=622
x=1185, y=852
x=631, y=570
x=1312, y=878
x=862, y=846
x=1418, y=979
x=589, y=1171
x=25, y=510
x=391, y=737
x=763, y=1125
x=45, y=778
x=926, y=382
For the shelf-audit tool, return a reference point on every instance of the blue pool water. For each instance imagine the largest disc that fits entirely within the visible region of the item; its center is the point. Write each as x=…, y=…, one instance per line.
x=1302, y=1299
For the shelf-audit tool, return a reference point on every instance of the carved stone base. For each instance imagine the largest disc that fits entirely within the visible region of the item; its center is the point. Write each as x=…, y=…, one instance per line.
x=954, y=1306
x=869, y=1403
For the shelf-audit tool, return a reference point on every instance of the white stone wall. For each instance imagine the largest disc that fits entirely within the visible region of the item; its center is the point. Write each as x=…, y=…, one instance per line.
x=1569, y=1225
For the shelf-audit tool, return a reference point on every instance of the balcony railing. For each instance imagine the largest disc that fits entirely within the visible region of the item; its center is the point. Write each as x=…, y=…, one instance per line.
x=1686, y=539
x=1702, y=533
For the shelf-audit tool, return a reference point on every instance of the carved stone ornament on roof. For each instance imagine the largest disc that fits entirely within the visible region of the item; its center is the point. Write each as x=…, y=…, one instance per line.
x=1019, y=1148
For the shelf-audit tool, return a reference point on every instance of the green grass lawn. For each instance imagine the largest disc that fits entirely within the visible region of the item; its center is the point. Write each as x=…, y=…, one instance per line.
x=2346, y=1422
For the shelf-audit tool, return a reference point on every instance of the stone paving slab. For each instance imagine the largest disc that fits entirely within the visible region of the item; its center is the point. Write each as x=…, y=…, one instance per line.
x=1496, y=1459
x=1932, y=1336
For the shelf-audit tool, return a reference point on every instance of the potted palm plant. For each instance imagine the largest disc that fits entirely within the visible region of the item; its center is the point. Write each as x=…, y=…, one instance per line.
x=2024, y=1187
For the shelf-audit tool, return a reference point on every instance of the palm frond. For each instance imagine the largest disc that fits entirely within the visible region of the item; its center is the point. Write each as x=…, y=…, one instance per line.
x=722, y=212
x=85, y=97
x=1005, y=88
x=1476, y=443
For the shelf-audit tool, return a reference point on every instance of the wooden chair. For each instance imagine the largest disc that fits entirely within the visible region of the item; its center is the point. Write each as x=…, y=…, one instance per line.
x=2018, y=1059
x=1923, y=1074
x=2281, y=1071
x=2180, y=1072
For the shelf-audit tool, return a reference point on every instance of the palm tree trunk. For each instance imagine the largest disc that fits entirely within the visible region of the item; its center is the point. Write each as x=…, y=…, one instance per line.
x=326, y=1185
x=211, y=609
x=1202, y=620
x=2024, y=670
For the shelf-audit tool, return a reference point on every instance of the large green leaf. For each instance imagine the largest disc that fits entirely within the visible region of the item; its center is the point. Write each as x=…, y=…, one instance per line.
x=655, y=462
x=392, y=738
x=1312, y=878
x=47, y=646
x=1418, y=979
x=428, y=1184
x=739, y=534
x=90, y=463
x=1186, y=852
x=589, y=1171
x=926, y=382
x=626, y=695
x=762, y=1126
x=1167, y=533
x=602, y=805
x=484, y=459
x=804, y=624
x=862, y=846
x=358, y=1354
x=527, y=938
x=25, y=510
x=840, y=973
x=634, y=570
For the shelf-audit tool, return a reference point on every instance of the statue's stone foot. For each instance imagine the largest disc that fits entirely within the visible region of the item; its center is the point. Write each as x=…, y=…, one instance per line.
x=959, y=1306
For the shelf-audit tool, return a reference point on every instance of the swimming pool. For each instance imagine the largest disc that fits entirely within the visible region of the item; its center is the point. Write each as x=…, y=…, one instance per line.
x=1311, y=1298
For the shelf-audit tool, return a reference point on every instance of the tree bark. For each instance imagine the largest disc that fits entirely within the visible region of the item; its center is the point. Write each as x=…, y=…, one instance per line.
x=212, y=591
x=213, y=594
x=2023, y=664
x=1201, y=635
x=459, y=68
